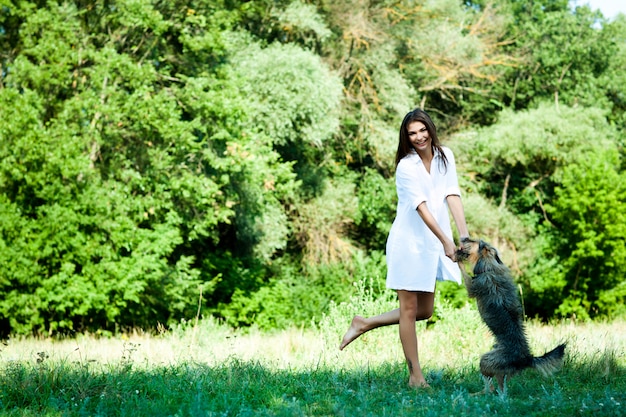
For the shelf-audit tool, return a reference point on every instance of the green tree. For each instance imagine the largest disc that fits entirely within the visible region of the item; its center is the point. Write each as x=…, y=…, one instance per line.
x=148, y=160
x=587, y=236
x=96, y=174
x=153, y=151
x=531, y=164
x=377, y=208
x=562, y=55
x=615, y=78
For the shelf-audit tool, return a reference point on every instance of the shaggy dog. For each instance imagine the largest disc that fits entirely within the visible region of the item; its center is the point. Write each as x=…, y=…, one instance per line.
x=500, y=308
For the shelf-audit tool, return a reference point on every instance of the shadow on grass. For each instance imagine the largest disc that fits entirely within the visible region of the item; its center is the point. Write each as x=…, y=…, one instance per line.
x=239, y=388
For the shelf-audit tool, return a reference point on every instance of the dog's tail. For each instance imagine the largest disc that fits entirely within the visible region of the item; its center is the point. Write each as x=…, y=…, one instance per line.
x=551, y=361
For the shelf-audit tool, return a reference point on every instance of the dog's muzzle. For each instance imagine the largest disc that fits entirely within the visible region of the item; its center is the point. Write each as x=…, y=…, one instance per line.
x=461, y=254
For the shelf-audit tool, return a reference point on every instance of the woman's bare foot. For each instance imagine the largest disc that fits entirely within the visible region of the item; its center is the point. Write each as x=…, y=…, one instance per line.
x=355, y=330
x=419, y=384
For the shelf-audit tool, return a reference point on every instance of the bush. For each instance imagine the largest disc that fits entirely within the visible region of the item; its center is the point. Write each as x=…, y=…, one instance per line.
x=302, y=296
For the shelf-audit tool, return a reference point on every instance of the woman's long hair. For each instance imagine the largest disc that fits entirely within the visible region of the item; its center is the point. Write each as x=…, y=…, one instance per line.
x=404, y=145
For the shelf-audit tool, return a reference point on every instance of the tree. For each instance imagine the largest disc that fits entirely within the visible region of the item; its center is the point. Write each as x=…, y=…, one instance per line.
x=587, y=236
x=148, y=160
x=562, y=56
x=541, y=166
x=241, y=152
x=96, y=181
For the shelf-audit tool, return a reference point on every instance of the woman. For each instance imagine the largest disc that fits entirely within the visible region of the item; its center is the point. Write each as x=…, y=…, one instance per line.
x=420, y=249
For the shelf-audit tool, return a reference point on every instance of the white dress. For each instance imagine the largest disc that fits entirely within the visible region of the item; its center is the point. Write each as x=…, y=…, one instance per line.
x=415, y=256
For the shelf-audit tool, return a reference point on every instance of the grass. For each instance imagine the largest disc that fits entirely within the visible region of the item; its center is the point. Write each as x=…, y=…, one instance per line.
x=207, y=369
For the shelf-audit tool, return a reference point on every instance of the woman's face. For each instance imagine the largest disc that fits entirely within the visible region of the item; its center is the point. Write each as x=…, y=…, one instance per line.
x=419, y=137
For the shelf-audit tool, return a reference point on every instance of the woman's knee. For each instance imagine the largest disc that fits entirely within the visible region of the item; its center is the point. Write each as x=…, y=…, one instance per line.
x=409, y=310
x=426, y=305
x=424, y=314
x=408, y=306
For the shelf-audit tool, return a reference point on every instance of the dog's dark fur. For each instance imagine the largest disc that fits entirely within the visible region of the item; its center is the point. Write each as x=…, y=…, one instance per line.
x=500, y=308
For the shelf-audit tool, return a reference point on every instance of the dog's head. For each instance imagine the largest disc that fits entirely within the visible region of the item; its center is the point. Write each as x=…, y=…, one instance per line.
x=478, y=253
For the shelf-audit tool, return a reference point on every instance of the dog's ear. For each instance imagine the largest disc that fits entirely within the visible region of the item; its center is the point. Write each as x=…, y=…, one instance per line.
x=484, y=247
x=498, y=260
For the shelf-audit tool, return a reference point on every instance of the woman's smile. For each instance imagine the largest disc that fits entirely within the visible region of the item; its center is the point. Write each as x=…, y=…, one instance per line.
x=418, y=135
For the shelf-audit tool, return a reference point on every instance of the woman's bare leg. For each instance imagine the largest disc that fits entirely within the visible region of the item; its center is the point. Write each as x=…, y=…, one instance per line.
x=413, y=305
x=360, y=324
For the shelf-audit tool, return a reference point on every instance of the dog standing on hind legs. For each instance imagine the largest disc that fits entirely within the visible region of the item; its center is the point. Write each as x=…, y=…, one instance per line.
x=500, y=308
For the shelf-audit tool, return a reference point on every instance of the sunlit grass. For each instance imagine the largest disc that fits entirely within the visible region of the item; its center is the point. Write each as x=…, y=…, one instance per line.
x=207, y=369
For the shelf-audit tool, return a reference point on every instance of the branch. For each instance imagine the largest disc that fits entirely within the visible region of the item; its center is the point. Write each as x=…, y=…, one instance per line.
x=506, y=186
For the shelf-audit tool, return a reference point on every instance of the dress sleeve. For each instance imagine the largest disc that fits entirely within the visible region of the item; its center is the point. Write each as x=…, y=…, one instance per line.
x=409, y=185
x=452, y=182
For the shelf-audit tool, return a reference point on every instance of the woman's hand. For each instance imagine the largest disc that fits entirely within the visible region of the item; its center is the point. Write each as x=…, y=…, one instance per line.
x=450, y=249
x=462, y=240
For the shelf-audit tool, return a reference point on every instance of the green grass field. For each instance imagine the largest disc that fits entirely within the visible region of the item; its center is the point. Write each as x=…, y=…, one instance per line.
x=206, y=369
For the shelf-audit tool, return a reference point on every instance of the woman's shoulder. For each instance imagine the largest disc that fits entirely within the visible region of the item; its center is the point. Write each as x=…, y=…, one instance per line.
x=410, y=159
x=408, y=164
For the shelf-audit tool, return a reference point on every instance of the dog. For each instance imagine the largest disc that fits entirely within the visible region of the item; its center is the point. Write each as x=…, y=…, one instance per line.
x=500, y=308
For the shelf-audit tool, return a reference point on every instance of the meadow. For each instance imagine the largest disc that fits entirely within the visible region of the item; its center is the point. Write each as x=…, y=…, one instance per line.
x=203, y=368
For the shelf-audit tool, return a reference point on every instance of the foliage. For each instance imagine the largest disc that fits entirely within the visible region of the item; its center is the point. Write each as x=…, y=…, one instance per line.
x=516, y=161
x=123, y=197
x=545, y=170
x=322, y=221
x=239, y=153
x=377, y=204
x=296, y=297
x=614, y=77
x=564, y=56
x=97, y=187
x=458, y=66
x=590, y=223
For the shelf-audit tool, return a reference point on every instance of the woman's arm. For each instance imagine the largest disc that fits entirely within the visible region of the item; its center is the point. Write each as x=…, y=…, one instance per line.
x=458, y=214
x=453, y=196
x=448, y=244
